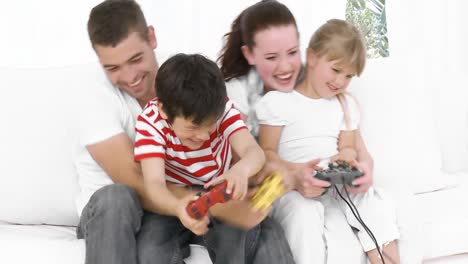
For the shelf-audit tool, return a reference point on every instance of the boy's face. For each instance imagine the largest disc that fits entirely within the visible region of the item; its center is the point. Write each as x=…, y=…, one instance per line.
x=191, y=135
x=131, y=65
x=276, y=57
x=328, y=78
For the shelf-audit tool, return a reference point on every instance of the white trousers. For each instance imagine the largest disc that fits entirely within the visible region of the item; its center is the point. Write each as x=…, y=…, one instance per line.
x=324, y=230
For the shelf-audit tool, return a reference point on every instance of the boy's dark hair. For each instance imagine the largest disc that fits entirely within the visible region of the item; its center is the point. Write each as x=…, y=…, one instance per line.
x=113, y=20
x=257, y=17
x=192, y=87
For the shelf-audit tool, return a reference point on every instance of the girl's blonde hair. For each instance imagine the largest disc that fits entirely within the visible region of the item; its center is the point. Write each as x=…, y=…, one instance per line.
x=341, y=41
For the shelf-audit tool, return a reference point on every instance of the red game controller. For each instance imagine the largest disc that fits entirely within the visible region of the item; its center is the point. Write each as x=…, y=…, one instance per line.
x=198, y=208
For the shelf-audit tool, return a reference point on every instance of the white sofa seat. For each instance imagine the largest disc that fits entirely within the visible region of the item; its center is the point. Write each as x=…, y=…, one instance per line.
x=444, y=219
x=45, y=244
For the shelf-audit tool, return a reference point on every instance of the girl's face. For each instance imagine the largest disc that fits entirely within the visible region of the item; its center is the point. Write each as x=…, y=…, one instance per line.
x=276, y=57
x=327, y=78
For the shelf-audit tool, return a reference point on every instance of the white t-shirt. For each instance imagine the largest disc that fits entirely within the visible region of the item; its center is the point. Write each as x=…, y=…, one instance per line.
x=105, y=112
x=310, y=126
x=245, y=91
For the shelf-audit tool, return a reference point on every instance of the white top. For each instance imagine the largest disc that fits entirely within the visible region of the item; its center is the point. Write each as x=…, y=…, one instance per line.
x=310, y=126
x=105, y=111
x=245, y=91
x=156, y=138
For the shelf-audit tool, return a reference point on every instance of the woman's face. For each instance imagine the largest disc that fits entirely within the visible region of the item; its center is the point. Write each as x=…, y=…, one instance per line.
x=276, y=57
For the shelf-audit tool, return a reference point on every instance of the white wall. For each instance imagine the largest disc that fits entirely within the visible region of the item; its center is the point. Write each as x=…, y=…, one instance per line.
x=427, y=39
x=53, y=32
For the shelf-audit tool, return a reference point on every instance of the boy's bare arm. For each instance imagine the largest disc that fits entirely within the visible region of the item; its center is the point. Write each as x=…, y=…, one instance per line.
x=165, y=201
x=251, y=160
x=251, y=156
x=115, y=156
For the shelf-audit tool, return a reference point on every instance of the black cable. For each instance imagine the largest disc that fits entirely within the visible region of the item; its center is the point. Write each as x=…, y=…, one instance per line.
x=360, y=219
x=366, y=227
x=356, y=214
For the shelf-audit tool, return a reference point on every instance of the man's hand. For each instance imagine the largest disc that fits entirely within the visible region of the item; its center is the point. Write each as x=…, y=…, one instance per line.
x=363, y=182
x=197, y=226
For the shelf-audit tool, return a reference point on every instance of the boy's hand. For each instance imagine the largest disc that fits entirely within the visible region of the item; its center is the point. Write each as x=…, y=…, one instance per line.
x=197, y=226
x=238, y=183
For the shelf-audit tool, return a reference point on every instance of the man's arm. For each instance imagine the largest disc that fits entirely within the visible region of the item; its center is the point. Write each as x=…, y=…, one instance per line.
x=115, y=156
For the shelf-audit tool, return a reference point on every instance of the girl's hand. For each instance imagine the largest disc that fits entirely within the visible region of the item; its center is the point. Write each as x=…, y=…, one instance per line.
x=197, y=226
x=361, y=184
x=238, y=183
x=306, y=183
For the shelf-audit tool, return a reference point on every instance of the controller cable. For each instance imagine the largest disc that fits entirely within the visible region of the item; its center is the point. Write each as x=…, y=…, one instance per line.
x=356, y=214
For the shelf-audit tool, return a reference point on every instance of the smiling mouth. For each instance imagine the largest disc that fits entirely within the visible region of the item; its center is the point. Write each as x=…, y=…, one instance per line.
x=284, y=77
x=333, y=88
x=136, y=83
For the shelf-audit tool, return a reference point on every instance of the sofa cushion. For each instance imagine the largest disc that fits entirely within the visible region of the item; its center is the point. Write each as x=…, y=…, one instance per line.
x=400, y=131
x=452, y=121
x=38, y=181
x=42, y=244
x=443, y=217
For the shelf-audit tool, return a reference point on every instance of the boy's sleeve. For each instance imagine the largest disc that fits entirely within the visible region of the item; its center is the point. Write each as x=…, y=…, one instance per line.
x=270, y=108
x=149, y=140
x=354, y=114
x=231, y=121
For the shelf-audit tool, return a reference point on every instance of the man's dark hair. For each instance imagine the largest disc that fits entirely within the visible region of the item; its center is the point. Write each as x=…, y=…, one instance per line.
x=113, y=20
x=192, y=87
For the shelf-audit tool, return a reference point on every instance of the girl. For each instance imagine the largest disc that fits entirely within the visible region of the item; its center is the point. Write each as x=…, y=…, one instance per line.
x=336, y=53
x=261, y=53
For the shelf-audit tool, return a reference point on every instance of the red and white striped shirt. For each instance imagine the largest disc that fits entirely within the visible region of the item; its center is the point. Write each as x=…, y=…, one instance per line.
x=155, y=138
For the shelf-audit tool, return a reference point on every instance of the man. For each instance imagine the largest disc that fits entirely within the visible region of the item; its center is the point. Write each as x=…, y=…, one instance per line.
x=115, y=212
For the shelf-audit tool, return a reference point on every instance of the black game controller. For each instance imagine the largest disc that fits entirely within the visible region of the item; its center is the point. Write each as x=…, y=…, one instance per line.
x=339, y=173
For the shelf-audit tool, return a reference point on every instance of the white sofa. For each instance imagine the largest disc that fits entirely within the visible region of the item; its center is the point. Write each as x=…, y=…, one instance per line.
x=413, y=161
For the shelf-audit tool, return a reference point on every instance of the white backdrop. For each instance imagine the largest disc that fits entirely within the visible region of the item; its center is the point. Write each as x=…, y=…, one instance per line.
x=53, y=32
x=427, y=38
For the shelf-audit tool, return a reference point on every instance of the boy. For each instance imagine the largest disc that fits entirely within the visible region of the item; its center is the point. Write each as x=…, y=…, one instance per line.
x=185, y=136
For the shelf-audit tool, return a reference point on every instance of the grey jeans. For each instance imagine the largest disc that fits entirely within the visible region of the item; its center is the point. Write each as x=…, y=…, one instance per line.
x=117, y=230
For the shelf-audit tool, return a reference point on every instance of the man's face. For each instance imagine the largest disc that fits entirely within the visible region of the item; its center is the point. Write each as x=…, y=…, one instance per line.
x=131, y=65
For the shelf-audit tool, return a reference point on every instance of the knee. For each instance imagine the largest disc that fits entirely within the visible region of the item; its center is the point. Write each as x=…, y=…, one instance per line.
x=295, y=207
x=117, y=200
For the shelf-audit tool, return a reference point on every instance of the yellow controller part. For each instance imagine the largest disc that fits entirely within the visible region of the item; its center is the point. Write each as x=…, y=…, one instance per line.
x=267, y=193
